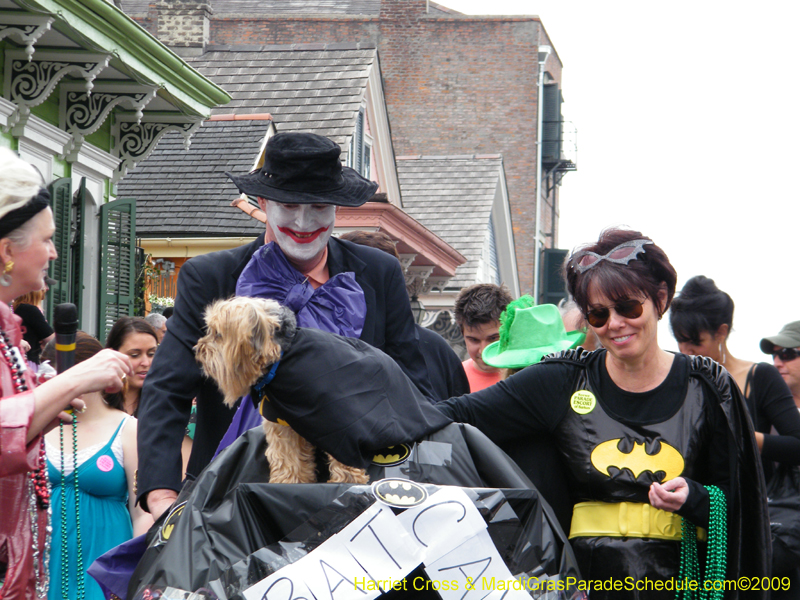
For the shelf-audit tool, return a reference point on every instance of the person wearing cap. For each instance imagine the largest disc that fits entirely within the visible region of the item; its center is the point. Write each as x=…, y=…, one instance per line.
x=785, y=350
x=330, y=284
x=528, y=333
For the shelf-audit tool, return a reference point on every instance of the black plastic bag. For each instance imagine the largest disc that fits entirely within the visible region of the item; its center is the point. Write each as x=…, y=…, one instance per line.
x=783, y=501
x=231, y=530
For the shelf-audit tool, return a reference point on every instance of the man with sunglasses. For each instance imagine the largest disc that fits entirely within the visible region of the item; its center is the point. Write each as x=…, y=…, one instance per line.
x=785, y=350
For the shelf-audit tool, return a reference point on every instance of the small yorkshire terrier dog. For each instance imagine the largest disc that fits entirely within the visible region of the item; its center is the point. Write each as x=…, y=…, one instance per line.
x=246, y=336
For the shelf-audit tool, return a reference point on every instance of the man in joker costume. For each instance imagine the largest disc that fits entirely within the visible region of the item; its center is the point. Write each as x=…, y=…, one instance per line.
x=330, y=284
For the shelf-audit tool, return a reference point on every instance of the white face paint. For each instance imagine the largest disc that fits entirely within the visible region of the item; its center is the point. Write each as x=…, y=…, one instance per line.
x=301, y=230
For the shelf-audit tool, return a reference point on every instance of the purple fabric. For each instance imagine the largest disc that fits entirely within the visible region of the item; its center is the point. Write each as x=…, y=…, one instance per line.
x=246, y=418
x=337, y=306
x=113, y=570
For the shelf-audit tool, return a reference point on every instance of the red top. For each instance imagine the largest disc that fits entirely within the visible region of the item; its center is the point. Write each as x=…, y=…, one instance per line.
x=479, y=379
x=17, y=459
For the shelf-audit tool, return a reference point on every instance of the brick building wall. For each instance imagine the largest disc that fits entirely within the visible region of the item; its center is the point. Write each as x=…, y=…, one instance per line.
x=453, y=85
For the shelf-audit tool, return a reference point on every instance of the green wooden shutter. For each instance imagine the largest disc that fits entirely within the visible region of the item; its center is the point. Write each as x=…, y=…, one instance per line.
x=78, y=246
x=551, y=124
x=117, y=262
x=59, y=269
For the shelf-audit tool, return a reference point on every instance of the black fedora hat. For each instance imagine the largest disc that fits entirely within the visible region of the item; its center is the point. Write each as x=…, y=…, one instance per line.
x=304, y=168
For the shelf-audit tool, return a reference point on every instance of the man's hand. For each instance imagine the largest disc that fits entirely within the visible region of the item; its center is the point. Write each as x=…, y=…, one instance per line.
x=158, y=501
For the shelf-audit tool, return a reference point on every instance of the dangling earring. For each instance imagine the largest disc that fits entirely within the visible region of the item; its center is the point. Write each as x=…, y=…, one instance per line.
x=722, y=352
x=5, y=278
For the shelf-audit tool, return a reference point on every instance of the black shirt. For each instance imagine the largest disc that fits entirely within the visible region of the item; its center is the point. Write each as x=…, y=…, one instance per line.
x=536, y=399
x=771, y=404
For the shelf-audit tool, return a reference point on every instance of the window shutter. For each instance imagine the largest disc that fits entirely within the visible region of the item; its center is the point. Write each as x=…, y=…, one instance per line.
x=59, y=269
x=117, y=262
x=77, y=246
x=551, y=124
x=494, y=264
x=358, y=145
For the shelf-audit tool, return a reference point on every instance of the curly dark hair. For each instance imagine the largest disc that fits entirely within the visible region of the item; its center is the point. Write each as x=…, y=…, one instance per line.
x=643, y=275
x=700, y=306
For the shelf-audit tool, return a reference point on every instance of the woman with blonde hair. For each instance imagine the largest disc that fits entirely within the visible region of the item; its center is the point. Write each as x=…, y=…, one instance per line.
x=26, y=411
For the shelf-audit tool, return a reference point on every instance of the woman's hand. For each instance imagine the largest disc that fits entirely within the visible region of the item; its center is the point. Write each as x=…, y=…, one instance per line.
x=669, y=496
x=105, y=371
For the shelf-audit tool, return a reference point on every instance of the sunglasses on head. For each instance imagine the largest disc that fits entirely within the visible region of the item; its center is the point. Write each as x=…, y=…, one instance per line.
x=622, y=255
x=628, y=309
x=786, y=354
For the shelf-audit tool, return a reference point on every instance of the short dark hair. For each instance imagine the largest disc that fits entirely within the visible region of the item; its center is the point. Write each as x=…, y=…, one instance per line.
x=373, y=239
x=642, y=275
x=700, y=306
x=116, y=338
x=168, y=312
x=480, y=303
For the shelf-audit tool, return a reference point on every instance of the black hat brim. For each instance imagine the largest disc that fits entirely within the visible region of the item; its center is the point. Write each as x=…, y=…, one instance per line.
x=355, y=191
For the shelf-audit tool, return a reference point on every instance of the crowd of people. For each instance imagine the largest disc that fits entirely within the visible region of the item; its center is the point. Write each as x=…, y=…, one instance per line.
x=655, y=463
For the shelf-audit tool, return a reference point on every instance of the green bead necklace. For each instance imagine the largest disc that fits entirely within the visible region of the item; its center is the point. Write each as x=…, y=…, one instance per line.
x=716, y=555
x=80, y=575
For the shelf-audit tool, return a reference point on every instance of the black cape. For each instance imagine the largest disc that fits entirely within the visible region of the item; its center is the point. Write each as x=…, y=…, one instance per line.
x=230, y=530
x=355, y=394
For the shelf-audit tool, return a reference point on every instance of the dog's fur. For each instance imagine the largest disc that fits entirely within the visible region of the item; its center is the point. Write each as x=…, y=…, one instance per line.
x=245, y=338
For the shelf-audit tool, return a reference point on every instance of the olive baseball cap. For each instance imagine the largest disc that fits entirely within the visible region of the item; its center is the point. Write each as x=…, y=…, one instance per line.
x=788, y=337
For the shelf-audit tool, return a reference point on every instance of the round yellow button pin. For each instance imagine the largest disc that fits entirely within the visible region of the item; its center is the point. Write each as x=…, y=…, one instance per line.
x=583, y=402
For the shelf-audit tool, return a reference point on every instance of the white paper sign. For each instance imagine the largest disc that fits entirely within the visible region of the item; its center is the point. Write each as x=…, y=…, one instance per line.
x=285, y=584
x=380, y=544
x=473, y=571
x=443, y=522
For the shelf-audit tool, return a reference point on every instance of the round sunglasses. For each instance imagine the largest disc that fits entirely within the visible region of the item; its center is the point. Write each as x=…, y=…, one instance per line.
x=628, y=309
x=786, y=354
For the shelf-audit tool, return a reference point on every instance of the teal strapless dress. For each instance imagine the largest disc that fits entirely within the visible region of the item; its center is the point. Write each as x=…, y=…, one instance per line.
x=104, y=517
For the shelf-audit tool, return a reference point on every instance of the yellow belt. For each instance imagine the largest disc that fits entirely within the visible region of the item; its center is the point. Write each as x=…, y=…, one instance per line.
x=626, y=519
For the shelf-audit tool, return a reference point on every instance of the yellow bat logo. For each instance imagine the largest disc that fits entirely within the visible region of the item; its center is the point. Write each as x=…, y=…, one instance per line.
x=169, y=523
x=401, y=493
x=637, y=461
x=391, y=456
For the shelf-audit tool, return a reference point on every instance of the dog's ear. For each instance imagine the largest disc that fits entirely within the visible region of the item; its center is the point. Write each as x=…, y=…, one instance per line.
x=265, y=327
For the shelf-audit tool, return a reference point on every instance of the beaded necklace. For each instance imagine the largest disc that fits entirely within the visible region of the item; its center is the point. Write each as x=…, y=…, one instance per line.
x=80, y=582
x=709, y=587
x=37, y=486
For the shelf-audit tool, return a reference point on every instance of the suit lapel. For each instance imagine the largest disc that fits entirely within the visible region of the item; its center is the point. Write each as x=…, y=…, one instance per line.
x=249, y=250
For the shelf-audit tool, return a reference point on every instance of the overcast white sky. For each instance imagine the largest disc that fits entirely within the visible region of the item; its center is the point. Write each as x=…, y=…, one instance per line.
x=688, y=123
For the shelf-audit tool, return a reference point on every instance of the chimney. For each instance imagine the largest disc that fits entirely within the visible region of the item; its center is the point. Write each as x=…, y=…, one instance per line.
x=183, y=25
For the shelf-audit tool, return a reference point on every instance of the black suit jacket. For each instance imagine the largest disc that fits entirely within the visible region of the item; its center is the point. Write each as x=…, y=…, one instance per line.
x=175, y=378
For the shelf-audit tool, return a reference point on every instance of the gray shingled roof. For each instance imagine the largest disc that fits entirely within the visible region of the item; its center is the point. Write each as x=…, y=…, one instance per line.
x=317, y=90
x=275, y=7
x=304, y=90
x=453, y=197
x=183, y=193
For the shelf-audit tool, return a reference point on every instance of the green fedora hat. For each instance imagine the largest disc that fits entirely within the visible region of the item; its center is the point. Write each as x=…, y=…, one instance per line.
x=533, y=333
